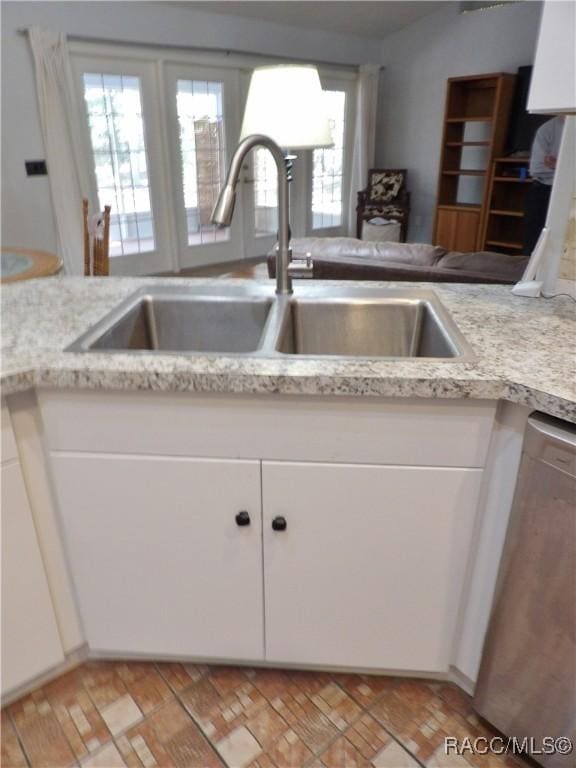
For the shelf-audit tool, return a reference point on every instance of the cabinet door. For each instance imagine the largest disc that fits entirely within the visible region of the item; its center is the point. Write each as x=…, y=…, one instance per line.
x=445, y=228
x=369, y=569
x=457, y=230
x=466, y=232
x=30, y=639
x=160, y=564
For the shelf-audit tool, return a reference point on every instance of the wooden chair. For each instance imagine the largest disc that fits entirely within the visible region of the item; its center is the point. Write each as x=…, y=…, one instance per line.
x=96, y=242
x=385, y=196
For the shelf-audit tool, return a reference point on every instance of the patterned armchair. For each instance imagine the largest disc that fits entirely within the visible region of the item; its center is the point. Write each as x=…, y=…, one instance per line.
x=385, y=196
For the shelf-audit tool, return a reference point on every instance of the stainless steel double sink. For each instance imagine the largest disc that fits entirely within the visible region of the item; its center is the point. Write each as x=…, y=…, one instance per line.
x=251, y=320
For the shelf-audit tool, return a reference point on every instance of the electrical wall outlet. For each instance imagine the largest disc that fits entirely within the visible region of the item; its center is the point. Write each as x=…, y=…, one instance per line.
x=36, y=168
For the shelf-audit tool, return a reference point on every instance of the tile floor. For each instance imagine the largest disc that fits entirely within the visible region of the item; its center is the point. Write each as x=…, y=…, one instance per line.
x=110, y=714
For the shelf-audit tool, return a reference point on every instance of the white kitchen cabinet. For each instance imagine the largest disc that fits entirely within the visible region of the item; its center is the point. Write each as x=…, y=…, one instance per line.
x=31, y=642
x=369, y=570
x=380, y=498
x=160, y=564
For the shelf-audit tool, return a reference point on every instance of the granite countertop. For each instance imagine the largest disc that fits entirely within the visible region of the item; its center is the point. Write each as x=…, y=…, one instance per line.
x=524, y=350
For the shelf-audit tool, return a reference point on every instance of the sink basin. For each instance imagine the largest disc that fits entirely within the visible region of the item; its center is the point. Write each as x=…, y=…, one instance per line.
x=250, y=320
x=387, y=327
x=169, y=322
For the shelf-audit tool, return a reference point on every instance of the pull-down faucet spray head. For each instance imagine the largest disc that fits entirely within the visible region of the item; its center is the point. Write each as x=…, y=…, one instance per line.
x=224, y=208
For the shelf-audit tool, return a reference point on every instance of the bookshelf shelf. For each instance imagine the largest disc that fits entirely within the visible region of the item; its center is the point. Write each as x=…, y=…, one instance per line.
x=504, y=244
x=464, y=172
x=496, y=212
x=483, y=119
x=504, y=224
x=460, y=207
x=511, y=180
x=467, y=143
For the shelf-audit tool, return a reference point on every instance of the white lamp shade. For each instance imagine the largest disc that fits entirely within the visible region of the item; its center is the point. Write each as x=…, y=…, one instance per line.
x=287, y=104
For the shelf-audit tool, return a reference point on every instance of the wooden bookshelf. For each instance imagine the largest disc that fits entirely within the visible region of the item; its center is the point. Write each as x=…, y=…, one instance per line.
x=503, y=228
x=475, y=123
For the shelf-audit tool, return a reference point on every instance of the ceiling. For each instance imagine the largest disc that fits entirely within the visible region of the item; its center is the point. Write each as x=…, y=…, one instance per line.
x=377, y=18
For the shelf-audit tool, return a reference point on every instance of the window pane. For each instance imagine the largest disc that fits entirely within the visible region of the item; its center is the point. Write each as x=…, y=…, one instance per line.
x=265, y=193
x=203, y=155
x=327, y=168
x=114, y=108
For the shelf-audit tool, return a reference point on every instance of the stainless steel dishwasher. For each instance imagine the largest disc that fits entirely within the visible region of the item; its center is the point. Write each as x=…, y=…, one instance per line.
x=527, y=681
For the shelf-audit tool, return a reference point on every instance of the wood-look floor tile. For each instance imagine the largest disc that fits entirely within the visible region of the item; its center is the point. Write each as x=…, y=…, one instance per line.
x=220, y=715
x=364, y=689
x=357, y=746
x=289, y=751
x=368, y=736
x=311, y=682
x=109, y=681
x=263, y=761
x=146, y=685
x=121, y=714
x=256, y=718
x=170, y=739
x=180, y=676
x=79, y=719
x=108, y=757
x=440, y=759
x=227, y=679
x=342, y=754
x=455, y=697
x=239, y=748
x=201, y=699
x=304, y=717
x=407, y=702
x=42, y=738
x=267, y=726
x=272, y=682
x=11, y=754
x=394, y=756
x=336, y=705
x=104, y=685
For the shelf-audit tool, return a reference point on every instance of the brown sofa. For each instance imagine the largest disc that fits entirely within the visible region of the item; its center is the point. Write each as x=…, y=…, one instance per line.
x=345, y=258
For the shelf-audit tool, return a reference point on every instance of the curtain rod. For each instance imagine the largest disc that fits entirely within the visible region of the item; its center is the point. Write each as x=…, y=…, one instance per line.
x=225, y=51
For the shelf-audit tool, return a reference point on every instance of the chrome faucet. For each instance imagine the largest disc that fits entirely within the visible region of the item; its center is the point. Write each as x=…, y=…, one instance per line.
x=286, y=268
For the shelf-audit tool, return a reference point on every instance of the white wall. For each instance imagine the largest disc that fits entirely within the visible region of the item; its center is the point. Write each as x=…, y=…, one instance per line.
x=27, y=218
x=418, y=59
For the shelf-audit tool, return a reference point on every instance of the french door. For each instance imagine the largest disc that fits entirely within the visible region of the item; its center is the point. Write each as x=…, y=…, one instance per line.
x=158, y=136
x=203, y=116
x=121, y=133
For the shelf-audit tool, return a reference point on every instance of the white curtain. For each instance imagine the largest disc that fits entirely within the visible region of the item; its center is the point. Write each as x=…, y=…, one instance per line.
x=54, y=87
x=364, y=136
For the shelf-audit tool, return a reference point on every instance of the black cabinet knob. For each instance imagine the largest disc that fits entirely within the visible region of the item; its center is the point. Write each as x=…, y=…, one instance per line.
x=243, y=518
x=279, y=523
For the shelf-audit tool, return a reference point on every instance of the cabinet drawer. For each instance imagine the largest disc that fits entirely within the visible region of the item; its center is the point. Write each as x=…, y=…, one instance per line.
x=415, y=432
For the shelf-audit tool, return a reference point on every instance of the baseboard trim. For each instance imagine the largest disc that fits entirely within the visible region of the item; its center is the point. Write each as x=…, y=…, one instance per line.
x=83, y=653
x=461, y=680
